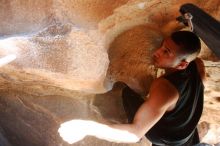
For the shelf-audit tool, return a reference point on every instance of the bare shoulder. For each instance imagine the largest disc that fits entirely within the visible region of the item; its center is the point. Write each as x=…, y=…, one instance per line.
x=201, y=68
x=163, y=86
x=163, y=92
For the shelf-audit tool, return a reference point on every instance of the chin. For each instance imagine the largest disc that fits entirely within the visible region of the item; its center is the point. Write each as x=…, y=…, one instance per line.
x=157, y=65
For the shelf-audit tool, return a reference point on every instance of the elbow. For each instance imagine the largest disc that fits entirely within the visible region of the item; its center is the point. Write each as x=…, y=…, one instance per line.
x=137, y=132
x=136, y=139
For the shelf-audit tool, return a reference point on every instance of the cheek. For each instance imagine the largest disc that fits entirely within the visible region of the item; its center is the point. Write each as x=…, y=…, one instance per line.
x=173, y=62
x=167, y=62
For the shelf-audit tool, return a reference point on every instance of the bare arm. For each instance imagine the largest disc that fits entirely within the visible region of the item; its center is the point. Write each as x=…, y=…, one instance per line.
x=201, y=68
x=162, y=96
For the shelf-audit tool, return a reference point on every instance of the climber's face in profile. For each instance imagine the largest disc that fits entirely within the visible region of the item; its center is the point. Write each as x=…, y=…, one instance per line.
x=167, y=55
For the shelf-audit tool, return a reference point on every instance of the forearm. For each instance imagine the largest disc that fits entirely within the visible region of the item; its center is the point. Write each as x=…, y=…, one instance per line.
x=121, y=133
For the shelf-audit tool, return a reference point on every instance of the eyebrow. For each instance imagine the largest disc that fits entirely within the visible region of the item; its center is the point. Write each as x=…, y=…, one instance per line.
x=168, y=49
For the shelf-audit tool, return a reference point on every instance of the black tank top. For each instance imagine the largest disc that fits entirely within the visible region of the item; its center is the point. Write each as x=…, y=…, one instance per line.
x=176, y=126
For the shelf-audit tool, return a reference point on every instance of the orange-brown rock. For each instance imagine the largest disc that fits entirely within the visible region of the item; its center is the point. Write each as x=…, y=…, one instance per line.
x=70, y=54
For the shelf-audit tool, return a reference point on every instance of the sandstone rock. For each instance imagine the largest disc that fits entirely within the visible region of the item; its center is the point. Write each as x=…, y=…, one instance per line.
x=85, y=13
x=60, y=55
x=34, y=120
x=3, y=139
x=69, y=51
x=22, y=17
x=130, y=57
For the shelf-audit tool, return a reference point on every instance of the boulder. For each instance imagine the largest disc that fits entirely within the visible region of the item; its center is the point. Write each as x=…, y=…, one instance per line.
x=70, y=60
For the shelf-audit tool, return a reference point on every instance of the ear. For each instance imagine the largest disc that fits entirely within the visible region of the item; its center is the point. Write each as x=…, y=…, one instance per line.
x=182, y=65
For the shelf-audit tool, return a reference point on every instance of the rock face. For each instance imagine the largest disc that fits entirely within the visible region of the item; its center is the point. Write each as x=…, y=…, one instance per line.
x=70, y=54
x=60, y=55
x=21, y=17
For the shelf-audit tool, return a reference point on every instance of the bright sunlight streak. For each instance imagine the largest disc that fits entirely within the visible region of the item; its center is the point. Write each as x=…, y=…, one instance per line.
x=75, y=130
x=8, y=50
x=7, y=59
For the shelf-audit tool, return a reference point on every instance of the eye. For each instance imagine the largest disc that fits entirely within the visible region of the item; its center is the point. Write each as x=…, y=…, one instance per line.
x=166, y=51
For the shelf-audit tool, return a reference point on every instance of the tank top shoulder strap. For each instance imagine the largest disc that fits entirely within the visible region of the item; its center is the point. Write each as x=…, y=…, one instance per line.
x=180, y=78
